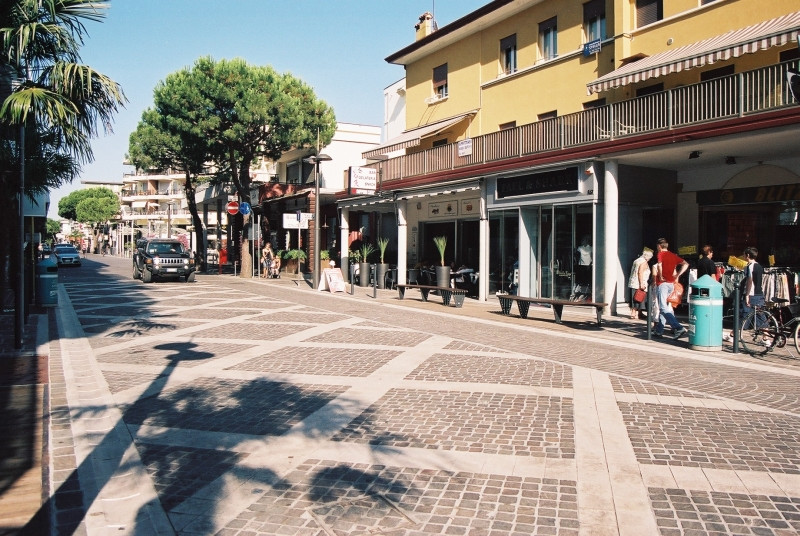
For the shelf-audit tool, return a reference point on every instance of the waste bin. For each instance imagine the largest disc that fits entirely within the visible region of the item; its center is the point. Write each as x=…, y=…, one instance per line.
x=705, y=315
x=46, y=283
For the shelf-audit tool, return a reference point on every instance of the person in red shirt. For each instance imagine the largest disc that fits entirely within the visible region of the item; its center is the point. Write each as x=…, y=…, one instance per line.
x=668, y=269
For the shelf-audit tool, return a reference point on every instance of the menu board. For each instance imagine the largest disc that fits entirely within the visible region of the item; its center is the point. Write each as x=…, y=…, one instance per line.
x=333, y=280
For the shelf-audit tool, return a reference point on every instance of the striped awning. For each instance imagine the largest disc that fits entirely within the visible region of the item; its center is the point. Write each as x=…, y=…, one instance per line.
x=775, y=32
x=412, y=137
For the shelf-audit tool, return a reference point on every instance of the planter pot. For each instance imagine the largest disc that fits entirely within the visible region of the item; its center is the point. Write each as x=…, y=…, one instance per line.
x=291, y=266
x=442, y=276
x=380, y=274
x=363, y=274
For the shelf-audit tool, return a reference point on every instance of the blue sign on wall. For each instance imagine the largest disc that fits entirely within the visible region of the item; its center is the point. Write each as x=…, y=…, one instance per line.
x=592, y=47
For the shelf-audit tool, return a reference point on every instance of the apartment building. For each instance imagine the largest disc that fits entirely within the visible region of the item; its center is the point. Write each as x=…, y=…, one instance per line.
x=538, y=128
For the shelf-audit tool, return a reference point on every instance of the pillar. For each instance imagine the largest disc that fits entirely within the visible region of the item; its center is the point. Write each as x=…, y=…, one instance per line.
x=611, y=263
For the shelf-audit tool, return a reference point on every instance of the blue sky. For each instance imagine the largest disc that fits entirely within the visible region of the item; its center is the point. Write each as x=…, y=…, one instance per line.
x=336, y=46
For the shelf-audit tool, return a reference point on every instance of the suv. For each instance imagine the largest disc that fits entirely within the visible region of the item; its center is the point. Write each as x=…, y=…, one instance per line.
x=162, y=257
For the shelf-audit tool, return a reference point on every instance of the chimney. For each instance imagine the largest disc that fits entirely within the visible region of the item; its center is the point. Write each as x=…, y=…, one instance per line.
x=425, y=26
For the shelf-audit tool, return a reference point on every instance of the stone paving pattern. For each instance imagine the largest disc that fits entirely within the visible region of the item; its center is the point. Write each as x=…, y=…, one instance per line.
x=249, y=407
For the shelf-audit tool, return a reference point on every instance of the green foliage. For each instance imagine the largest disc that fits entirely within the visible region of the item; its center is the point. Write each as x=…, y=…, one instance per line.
x=96, y=209
x=366, y=250
x=324, y=255
x=68, y=206
x=53, y=227
x=295, y=254
x=354, y=255
x=382, y=243
x=441, y=245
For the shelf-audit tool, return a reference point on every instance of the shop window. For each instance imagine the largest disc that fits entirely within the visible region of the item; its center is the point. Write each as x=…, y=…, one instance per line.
x=594, y=20
x=548, y=39
x=648, y=12
x=440, y=81
x=508, y=54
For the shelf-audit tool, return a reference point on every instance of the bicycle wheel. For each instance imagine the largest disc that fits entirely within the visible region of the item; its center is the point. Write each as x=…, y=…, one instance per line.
x=758, y=332
x=797, y=337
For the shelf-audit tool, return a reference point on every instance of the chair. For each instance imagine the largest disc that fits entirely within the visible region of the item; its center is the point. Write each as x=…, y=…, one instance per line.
x=390, y=279
x=413, y=276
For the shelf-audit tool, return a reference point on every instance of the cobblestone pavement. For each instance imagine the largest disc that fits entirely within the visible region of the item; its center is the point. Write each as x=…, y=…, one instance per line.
x=248, y=407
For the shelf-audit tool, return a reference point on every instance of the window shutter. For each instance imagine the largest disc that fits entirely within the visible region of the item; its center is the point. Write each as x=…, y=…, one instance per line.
x=647, y=12
x=440, y=75
x=508, y=42
x=593, y=9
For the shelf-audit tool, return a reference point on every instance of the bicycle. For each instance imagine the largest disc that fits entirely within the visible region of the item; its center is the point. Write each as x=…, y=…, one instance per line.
x=762, y=330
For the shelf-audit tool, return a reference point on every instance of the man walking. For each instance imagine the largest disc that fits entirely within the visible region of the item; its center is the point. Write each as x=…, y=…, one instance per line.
x=668, y=269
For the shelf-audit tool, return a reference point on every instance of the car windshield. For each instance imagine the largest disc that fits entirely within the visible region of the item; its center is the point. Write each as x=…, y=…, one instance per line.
x=155, y=249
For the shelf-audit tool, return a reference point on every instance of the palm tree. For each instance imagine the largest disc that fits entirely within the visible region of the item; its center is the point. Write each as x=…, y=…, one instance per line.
x=48, y=96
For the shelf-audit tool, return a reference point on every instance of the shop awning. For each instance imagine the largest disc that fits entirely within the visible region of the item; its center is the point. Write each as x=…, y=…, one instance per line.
x=139, y=204
x=761, y=36
x=412, y=137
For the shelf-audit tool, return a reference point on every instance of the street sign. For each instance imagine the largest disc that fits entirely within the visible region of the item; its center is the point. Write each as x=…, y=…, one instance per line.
x=232, y=207
x=291, y=221
x=244, y=208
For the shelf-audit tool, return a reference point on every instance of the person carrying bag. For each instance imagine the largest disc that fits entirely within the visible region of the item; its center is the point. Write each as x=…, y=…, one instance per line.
x=637, y=282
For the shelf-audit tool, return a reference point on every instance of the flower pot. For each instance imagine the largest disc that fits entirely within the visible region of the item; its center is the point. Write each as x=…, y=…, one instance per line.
x=380, y=274
x=291, y=266
x=442, y=276
x=363, y=274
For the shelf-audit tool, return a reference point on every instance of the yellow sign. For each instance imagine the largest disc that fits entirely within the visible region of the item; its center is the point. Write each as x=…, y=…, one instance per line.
x=687, y=250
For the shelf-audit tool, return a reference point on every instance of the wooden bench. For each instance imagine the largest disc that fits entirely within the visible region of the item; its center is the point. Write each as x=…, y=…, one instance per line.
x=523, y=303
x=457, y=294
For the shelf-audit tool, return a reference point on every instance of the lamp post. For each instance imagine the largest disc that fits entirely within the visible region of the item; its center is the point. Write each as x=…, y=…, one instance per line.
x=315, y=160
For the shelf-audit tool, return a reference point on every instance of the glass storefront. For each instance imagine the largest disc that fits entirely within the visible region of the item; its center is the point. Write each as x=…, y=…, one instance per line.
x=551, y=255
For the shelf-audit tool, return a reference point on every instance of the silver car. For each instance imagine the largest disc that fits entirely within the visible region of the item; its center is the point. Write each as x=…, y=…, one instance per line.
x=65, y=255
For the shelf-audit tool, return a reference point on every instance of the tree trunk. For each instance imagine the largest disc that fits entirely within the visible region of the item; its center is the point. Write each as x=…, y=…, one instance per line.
x=202, y=254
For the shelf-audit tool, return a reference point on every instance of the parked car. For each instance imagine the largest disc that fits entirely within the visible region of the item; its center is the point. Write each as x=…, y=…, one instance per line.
x=162, y=258
x=65, y=255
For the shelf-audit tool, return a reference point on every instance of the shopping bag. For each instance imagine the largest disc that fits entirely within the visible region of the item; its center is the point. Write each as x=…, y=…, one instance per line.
x=676, y=295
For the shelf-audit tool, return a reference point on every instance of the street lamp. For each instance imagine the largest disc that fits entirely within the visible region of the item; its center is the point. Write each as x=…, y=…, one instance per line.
x=314, y=160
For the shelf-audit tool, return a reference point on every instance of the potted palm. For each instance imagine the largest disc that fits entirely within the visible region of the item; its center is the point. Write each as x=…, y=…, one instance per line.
x=383, y=266
x=293, y=258
x=363, y=268
x=443, y=271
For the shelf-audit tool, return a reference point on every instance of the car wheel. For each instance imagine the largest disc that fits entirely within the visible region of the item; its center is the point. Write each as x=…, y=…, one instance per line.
x=190, y=278
x=136, y=273
x=147, y=276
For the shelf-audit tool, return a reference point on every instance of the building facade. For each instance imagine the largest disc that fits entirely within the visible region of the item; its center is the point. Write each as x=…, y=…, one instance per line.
x=550, y=141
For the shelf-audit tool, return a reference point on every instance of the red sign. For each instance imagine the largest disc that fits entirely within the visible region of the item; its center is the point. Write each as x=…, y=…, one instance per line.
x=232, y=207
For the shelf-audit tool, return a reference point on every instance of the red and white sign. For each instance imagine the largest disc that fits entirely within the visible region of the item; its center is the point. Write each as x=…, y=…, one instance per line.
x=232, y=207
x=363, y=180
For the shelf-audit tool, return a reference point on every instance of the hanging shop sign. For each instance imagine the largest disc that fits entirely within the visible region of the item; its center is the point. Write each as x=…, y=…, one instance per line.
x=363, y=180
x=556, y=180
x=465, y=147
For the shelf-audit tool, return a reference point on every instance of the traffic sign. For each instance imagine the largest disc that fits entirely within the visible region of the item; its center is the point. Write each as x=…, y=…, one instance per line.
x=244, y=208
x=232, y=207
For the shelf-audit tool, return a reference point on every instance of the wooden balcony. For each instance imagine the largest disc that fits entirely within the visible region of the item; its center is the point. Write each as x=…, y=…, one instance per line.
x=739, y=95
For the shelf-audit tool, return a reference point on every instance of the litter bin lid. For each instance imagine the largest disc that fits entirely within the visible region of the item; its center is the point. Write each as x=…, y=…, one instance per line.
x=42, y=267
x=709, y=283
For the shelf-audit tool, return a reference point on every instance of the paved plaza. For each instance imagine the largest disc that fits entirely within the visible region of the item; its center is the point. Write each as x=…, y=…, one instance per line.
x=250, y=407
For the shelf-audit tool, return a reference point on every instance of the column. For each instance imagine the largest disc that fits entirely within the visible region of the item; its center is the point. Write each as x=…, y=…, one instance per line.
x=402, y=240
x=610, y=235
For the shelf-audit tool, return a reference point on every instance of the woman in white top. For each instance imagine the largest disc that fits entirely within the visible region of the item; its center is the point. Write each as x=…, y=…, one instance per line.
x=640, y=275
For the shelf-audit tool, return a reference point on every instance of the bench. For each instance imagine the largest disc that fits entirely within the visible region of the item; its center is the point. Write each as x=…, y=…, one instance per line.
x=523, y=303
x=457, y=294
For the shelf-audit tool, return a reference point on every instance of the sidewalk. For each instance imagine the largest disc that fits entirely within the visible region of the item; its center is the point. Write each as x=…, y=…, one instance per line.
x=365, y=412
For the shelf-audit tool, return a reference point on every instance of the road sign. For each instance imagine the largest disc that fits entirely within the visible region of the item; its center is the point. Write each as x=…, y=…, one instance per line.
x=244, y=208
x=232, y=207
x=291, y=221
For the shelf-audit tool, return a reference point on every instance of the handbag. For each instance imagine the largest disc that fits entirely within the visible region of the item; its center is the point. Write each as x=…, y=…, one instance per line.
x=676, y=295
x=639, y=295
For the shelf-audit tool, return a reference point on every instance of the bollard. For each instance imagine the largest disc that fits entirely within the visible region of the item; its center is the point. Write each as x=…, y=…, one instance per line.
x=373, y=273
x=352, y=279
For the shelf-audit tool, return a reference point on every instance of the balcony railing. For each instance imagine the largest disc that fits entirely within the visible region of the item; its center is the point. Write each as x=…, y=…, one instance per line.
x=737, y=95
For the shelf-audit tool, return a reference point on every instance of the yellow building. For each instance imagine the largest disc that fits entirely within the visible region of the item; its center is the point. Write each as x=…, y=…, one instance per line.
x=550, y=141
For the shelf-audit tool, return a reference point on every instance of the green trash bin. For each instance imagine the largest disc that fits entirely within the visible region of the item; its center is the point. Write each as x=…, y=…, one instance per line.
x=46, y=283
x=705, y=315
